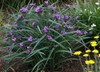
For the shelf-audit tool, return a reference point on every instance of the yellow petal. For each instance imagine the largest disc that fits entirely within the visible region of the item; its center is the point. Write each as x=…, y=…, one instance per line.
x=77, y=53
x=95, y=51
x=96, y=37
x=88, y=51
x=85, y=55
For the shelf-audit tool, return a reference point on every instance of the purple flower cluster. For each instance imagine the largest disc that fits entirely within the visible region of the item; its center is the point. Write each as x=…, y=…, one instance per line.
x=39, y=23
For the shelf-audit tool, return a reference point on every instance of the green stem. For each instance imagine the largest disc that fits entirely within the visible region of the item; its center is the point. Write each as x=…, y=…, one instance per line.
x=81, y=64
x=95, y=62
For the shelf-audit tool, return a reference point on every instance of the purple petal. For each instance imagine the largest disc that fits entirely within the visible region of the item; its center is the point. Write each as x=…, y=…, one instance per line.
x=37, y=9
x=30, y=38
x=14, y=39
x=46, y=29
x=23, y=9
x=32, y=4
x=57, y=16
x=49, y=37
x=21, y=44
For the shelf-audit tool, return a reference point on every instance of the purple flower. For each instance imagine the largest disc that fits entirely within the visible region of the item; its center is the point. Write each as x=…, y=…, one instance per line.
x=15, y=25
x=64, y=23
x=28, y=52
x=78, y=32
x=14, y=39
x=70, y=27
x=19, y=16
x=30, y=38
x=32, y=4
x=53, y=8
x=21, y=30
x=46, y=2
x=37, y=9
x=10, y=47
x=46, y=29
x=21, y=44
x=56, y=27
x=11, y=32
x=49, y=37
x=34, y=23
x=66, y=17
x=24, y=21
x=23, y=9
x=63, y=31
x=56, y=16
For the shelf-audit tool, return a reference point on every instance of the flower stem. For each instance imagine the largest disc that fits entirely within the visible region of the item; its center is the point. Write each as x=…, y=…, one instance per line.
x=81, y=63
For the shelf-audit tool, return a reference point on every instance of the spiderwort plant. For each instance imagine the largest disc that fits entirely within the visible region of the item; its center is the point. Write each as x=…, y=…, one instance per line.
x=40, y=33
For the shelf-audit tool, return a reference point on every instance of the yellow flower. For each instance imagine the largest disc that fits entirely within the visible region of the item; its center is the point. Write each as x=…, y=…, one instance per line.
x=85, y=55
x=88, y=51
x=77, y=53
x=89, y=62
x=96, y=37
x=95, y=51
x=93, y=43
x=98, y=55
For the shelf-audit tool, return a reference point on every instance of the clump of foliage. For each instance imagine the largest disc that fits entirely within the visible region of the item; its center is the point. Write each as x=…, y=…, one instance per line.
x=90, y=15
x=92, y=57
x=43, y=35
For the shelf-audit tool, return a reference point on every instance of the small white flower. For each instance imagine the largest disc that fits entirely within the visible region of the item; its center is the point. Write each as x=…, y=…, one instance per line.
x=97, y=3
x=84, y=9
x=91, y=28
x=93, y=25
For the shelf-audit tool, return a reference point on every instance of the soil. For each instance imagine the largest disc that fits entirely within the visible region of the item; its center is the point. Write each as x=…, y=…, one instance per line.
x=69, y=66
